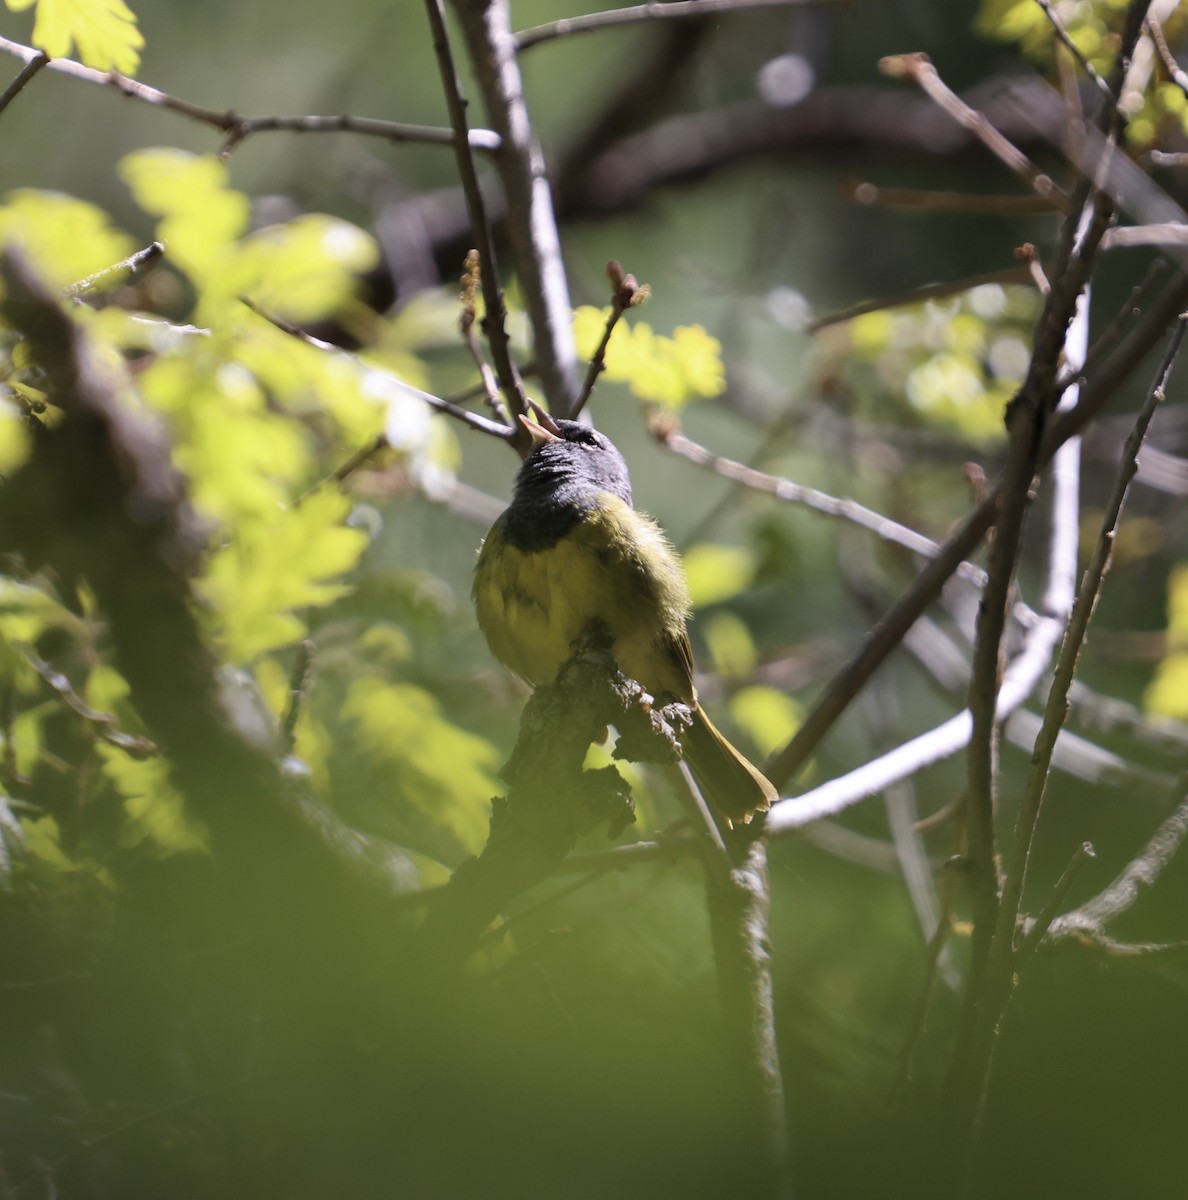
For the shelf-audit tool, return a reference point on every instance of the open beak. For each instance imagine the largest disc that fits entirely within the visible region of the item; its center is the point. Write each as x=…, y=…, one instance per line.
x=544, y=429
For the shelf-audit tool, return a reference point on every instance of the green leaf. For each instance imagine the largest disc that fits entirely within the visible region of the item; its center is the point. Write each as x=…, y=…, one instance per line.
x=717, y=573
x=155, y=811
x=304, y=270
x=769, y=717
x=104, y=30
x=668, y=371
x=200, y=216
x=731, y=647
x=447, y=771
x=277, y=565
x=67, y=239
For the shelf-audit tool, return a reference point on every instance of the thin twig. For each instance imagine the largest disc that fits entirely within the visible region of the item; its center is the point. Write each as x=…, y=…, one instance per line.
x=890, y=630
x=1027, y=417
x=1047, y=914
x=474, y=420
x=931, y=291
x=870, y=194
x=472, y=276
x=1124, y=316
x=530, y=220
x=26, y=73
x=1174, y=71
x=626, y=292
x=918, y=69
x=919, y=1017
x=300, y=680
x=131, y=264
x=346, y=469
x=495, y=317
x=483, y=140
x=949, y=738
x=674, y=10
x=229, y=122
x=1165, y=233
x=1057, y=705
x=101, y=724
x=821, y=502
x=1075, y=50
x=1141, y=872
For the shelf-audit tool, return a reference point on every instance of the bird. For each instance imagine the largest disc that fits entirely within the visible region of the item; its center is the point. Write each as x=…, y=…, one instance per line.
x=571, y=554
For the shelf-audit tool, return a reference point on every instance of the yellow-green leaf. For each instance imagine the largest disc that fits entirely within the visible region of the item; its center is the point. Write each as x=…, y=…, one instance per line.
x=104, y=31
x=67, y=239
x=769, y=717
x=447, y=771
x=717, y=573
x=201, y=216
x=155, y=810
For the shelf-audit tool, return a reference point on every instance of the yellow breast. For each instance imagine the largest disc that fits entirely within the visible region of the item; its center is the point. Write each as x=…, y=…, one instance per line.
x=615, y=567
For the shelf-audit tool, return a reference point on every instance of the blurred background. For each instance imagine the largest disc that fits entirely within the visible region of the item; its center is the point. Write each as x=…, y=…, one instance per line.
x=149, y=1045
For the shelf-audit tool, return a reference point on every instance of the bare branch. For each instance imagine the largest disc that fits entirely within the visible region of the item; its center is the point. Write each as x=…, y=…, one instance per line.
x=474, y=420
x=236, y=127
x=1141, y=872
x=26, y=73
x=115, y=273
x=1174, y=71
x=530, y=221
x=672, y=10
x=101, y=724
x=919, y=69
x=932, y=291
x=1165, y=233
x=947, y=739
x=889, y=632
x=1057, y=706
x=870, y=194
x=1047, y=914
x=482, y=140
x=495, y=318
x=1090, y=70
x=822, y=502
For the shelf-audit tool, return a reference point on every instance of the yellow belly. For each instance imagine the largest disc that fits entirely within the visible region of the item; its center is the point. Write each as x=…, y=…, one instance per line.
x=615, y=567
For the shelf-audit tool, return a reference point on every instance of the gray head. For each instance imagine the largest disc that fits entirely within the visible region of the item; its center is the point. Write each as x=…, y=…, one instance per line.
x=560, y=480
x=574, y=460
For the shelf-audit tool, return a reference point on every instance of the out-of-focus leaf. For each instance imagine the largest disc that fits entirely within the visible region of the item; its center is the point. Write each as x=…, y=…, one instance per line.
x=769, y=717
x=1167, y=694
x=200, y=216
x=446, y=771
x=273, y=568
x=732, y=652
x=104, y=31
x=156, y=812
x=717, y=573
x=67, y=239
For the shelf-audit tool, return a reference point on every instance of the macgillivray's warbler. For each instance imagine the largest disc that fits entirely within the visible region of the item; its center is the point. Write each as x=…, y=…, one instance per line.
x=571, y=554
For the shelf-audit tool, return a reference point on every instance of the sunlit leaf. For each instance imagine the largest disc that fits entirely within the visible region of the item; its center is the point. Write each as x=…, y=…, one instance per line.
x=770, y=717
x=156, y=812
x=200, y=215
x=305, y=269
x=445, y=770
x=731, y=648
x=274, y=567
x=67, y=239
x=104, y=30
x=717, y=573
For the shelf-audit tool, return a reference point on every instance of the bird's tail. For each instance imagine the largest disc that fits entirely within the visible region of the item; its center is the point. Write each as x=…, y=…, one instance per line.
x=735, y=787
